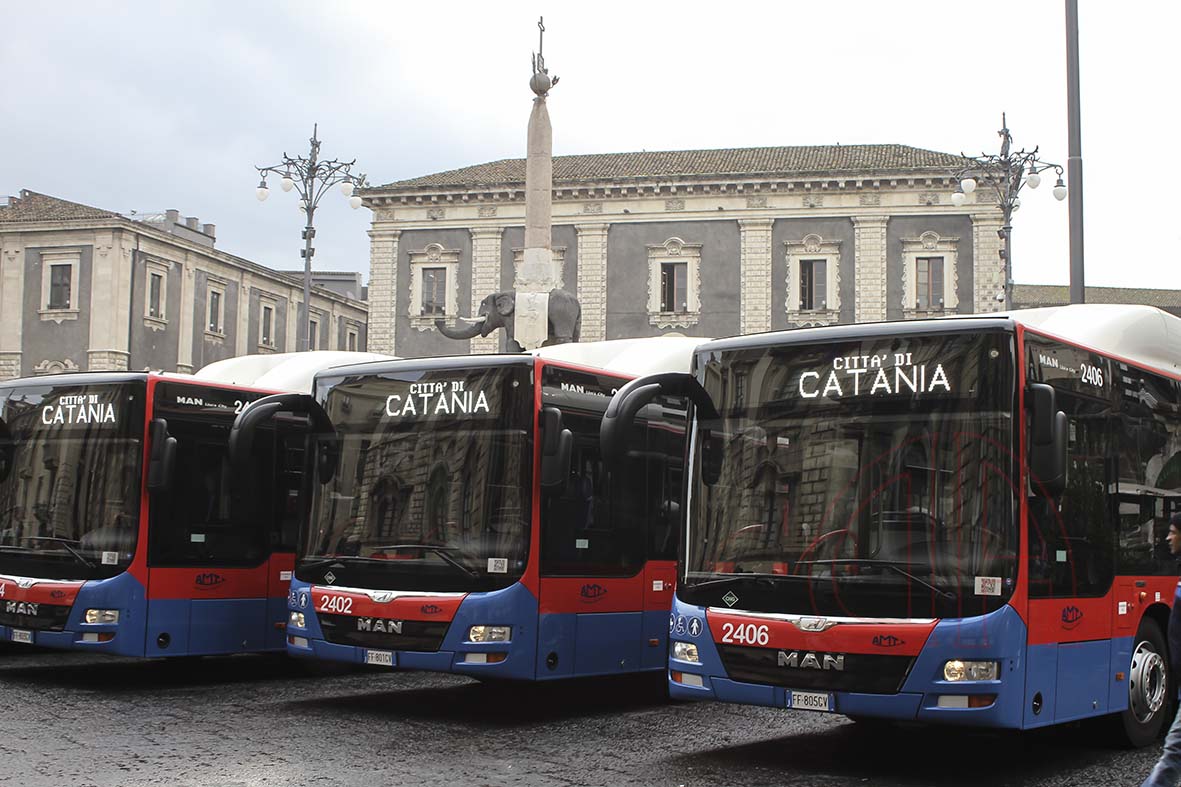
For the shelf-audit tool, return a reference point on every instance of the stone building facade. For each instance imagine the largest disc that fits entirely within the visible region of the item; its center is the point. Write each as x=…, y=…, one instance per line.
x=706, y=242
x=87, y=289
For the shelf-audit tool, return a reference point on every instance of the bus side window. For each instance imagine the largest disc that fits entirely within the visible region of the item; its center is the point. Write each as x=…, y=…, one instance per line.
x=1149, y=480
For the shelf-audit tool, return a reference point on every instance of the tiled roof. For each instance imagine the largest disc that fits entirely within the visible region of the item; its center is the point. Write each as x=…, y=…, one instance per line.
x=1028, y=295
x=32, y=207
x=739, y=162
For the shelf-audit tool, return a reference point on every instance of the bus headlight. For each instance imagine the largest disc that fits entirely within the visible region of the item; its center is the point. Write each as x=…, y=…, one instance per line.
x=298, y=620
x=490, y=634
x=101, y=616
x=686, y=651
x=956, y=670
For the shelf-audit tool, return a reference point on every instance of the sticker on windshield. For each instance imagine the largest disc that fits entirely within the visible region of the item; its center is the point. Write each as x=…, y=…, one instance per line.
x=498, y=565
x=582, y=543
x=197, y=538
x=988, y=586
x=110, y=558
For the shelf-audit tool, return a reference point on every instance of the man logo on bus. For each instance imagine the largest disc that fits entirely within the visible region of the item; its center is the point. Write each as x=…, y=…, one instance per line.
x=592, y=592
x=1071, y=617
x=209, y=580
x=821, y=661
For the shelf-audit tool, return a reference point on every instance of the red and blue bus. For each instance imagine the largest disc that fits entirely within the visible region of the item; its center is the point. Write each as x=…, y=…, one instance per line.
x=954, y=520
x=116, y=532
x=461, y=518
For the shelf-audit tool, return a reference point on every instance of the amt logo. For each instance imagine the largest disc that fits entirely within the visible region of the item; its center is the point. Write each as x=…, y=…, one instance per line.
x=887, y=641
x=592, y=593
x=430, y=609
x=209, y=580
x=57, y=594
x=1071, y=617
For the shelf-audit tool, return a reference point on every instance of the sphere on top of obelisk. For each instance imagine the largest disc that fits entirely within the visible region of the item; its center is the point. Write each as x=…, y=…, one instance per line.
x=540, y=83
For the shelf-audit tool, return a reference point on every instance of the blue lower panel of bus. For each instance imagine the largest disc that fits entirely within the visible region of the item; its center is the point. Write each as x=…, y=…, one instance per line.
x=1069, y=681
x=543, y=647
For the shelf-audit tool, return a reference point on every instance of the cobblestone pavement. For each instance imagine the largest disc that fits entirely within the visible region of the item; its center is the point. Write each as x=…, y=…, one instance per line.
x=74, y=719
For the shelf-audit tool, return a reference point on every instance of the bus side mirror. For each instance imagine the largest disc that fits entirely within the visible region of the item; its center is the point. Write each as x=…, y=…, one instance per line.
x=557, y=446
x=620, y=417
x=1047, y=442
x=162, y=459
x=247, y=423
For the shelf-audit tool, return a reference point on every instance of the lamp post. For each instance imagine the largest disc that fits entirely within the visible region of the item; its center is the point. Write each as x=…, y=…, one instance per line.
x=311, y=178
x=1007, y=173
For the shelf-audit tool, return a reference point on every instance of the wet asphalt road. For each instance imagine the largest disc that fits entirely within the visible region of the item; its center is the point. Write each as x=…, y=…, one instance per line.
x=71, y=719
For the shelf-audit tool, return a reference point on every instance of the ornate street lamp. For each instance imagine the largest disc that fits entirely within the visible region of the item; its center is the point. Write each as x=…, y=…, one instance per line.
x=311, y=178
x=1007, y=173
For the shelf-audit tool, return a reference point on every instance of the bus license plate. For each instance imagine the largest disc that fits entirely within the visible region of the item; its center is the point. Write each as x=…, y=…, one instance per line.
x=810, y=700
x=382, y=658
x=22, y=636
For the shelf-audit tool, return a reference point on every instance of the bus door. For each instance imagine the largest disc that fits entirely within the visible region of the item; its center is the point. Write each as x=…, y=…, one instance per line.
x=208, y=570
x=285, y=484
x=592, y=567
x=1072, y=554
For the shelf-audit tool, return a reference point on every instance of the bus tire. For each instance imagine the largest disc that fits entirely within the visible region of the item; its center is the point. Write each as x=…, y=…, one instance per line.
x=1148, y=688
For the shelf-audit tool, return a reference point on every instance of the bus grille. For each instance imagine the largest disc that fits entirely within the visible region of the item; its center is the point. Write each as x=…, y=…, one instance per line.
x=419, y=635
x=868, y=673
x=48, y=617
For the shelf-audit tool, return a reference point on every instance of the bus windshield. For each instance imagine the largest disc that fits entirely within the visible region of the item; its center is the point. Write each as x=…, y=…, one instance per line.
x=70, y=458
x=865, y=478
x=431, y=489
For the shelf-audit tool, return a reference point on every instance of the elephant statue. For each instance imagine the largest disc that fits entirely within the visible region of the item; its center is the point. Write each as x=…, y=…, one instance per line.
x=497, y=311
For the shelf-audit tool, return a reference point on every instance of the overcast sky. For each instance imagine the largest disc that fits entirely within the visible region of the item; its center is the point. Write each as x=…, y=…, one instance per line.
x=147, y=106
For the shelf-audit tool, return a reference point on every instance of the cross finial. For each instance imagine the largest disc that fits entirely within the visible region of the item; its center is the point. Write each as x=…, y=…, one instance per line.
x=541, y=81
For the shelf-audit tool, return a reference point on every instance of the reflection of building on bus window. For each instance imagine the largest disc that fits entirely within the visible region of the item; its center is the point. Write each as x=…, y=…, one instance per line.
x=584, y=492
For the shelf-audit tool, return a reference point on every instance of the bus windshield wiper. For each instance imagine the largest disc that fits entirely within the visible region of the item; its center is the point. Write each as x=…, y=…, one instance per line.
x=746, y=575
x=65, y=542
x=442, y=551
x=893, y=565
x=333, y=562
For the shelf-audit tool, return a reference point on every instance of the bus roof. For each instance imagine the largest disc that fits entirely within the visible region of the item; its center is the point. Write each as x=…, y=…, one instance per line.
x=280, y=371
x=1143, y=335
x=628, y=357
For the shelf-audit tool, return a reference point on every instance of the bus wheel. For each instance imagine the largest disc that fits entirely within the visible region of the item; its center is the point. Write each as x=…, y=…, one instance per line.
x=1148, y=687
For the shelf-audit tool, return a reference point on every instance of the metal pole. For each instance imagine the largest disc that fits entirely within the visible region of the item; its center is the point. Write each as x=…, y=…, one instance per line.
x=305, y=314
x=1007, y=243
x=1074, y=159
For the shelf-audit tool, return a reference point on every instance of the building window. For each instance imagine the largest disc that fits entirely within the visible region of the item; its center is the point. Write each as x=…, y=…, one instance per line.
x=929, y=282
x=929, y=274
x=266, y=327
x=351, y=340
x=434, y=292
x=674, y=284
x=59, y=280
x=60, y=283
x=434, y=286
x=216, y=301
x=155, y=295
x=813, y=285
x=813, y=281
x=313, y=334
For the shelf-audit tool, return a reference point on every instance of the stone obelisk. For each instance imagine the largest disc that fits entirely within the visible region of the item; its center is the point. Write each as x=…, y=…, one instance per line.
x=538, y=273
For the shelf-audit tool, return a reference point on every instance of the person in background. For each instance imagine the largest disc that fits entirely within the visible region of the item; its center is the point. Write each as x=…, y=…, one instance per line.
x=1167, y=772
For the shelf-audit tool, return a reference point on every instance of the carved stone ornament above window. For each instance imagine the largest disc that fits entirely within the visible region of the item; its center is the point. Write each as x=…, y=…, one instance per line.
x=592, y=207
x=674, y=204
x=813, y=201
x=487, y=211
x=55, y=367
x=870, y=200
x=759, y=201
